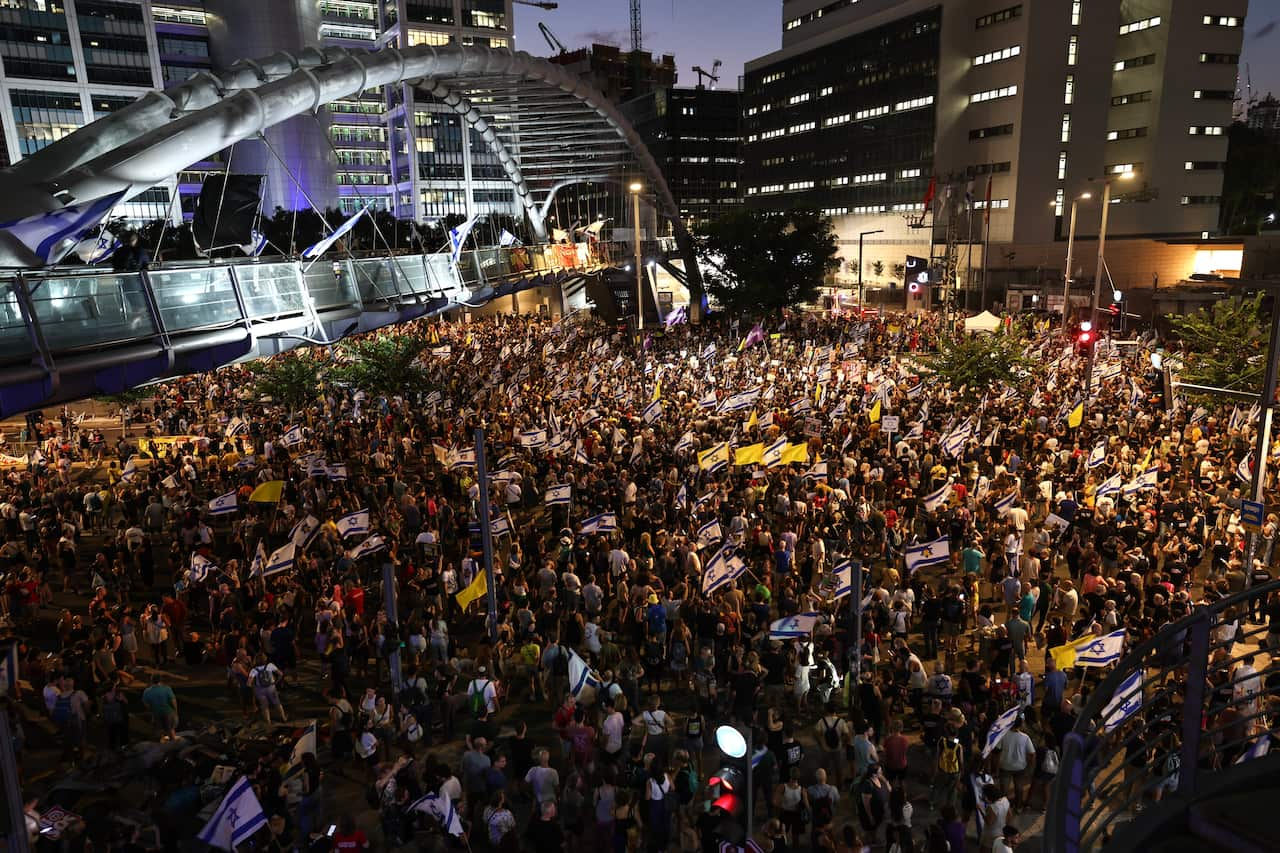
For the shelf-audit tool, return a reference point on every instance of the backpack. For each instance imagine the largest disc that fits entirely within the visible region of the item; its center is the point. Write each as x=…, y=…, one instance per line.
x=262, y=677
x=949, y=757
x=62, y=709
x=822, y=812
x=477, y=700
x=1050, y=765
x=686, y=785
x=831, y=735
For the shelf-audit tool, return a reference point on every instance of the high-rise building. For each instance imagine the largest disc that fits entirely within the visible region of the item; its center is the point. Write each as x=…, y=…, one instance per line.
x=1265, y=116
x=867, y=101
x=693, y=136
x=619, y=74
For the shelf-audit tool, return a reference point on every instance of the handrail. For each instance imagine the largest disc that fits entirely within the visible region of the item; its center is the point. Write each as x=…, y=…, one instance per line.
x=1182, y=736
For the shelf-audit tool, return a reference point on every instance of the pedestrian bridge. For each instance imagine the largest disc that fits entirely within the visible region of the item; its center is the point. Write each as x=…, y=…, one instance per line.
x=67, y=334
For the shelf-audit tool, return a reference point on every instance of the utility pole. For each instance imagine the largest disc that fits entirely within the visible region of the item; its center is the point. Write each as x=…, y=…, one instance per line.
x=1097, y=278
x=1066, y=280
x=860, y=236
x=1262, y=443
x=486, y=537
x=636, y=188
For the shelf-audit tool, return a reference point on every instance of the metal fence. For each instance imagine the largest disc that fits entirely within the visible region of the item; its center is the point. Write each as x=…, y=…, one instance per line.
x=1171, y=720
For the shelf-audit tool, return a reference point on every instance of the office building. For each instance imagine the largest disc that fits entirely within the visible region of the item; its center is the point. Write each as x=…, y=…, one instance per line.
x=1265, y=116
x=693, y=136
x=618, y=73
x=867, y=101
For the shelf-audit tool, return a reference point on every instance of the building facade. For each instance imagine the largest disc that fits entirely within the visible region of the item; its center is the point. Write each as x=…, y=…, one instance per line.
x=619, y=74
x=1042, y=102
x=693, y=136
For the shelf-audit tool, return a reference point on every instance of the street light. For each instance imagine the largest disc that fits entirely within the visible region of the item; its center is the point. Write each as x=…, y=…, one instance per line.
x=860, y=236
x=1097, y=278
x=1071, y=242
x=636, y=188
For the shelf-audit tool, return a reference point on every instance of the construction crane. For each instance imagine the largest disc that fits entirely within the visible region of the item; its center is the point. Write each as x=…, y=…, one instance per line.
x=537, y=3
x=711, y=75
x=552, y=42
x=637, y=45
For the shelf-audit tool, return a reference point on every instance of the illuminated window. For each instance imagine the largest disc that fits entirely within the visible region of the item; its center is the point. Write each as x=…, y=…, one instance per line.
x=798, y=99
x=1075, y=13
x=1070, y=95
x=1073, y=49
x=1206, y=130
x=872, y=112
x=430, y=37
x=1062, y=165
x=913, y=104
x=1139, y=26
x=993, y=94
x=998, y=55
x=1222, y=21
x=1066, y=127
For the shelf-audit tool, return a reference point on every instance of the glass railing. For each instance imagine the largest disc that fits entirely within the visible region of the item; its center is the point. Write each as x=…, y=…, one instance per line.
x=91, y=310
x=190, y=299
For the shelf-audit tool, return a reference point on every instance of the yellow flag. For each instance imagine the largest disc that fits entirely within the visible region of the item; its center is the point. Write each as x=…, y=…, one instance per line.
x=1077, y=416
x=1065, y=656
x=749, y=455
x=478, y=588
x=1146, y=460
x=795, y=453
x=874, y=415
x=269, y=492
x=657, y=391
x=753, y=420
x=717, y=455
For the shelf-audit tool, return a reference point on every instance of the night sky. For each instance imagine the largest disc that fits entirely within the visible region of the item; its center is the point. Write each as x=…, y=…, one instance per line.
x=699, y=32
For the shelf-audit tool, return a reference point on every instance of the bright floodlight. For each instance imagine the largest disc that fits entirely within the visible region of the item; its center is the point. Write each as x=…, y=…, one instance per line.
x=731, y=741
x=1086, y=326
x=636, y=186
x=1086, y=196
x=1126, y=176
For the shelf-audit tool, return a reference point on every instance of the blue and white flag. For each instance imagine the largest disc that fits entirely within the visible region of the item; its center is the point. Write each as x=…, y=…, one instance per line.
x=799, y=625
x=458, y=237
x=500, y=526
x=1200, y=415
x=257, y=244
x=1109, y=486
x=281, y=560
x=685, y=443
x=129, y=472
x=247, y=462
x=559, y=495
x=953, y=444
x=224, y=504
x=1006, y=503
x=201, y=566
x=1125, y=703
x=304, y=531
x=532, y=439
x=705, y=500
x=580, y=453
x=1236, y=421
x=772, y=455
x=818, y=472
x=170, y=482
x=238, y=817
x=465, y=458
x=306, y=743
x=1102, y=650
x=652, y=412
x=606, y=522
x=682, y=497
x=337, y=472
x=1097, y=456
x=677, y=316
x=1258, y=749
x=316, y=250
x=935, y=553
x=708, y=400
x=506, y=239
x=709, y=351
x=51, y=236
x=354, y=523
x=710, y=533
x=1245, y=469
x=95, y=250
x=1145, y=481
x=724, y=567
x=236, y=426
x=371, y=545
x=740, y=401
x=1000, y=728
x=580, y=675
x=441, y=808
x=292, y=436
x=938, y=498
x=844, y=579
x=915, y=433
x=259, y=561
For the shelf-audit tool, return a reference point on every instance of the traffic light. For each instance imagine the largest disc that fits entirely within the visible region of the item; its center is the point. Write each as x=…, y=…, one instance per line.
x=1086, y=339
x=728, y=790
x=1114, y=309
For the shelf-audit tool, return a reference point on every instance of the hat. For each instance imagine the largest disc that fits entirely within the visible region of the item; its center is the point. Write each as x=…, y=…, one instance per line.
x=653, y=599
x=955, y=715
x=481, y=670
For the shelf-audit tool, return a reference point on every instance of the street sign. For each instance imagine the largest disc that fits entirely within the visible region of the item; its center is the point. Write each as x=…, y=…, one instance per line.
x=1251, y=513
x=889, y=423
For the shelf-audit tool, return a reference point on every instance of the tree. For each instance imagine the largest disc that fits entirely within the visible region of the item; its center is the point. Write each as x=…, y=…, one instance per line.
x=291, y=379
x=758, y=260
x=382, y=365
x=978, y=362
x=877, y=268
x=1224, y=344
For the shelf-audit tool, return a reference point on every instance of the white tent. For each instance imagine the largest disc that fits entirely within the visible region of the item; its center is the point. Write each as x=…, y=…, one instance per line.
x=984, y=322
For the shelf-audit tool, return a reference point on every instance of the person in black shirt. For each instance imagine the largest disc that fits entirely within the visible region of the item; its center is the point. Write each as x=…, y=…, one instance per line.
x=544, y=834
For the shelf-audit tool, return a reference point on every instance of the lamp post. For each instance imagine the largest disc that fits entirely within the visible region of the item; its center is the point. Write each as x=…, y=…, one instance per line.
x=636, y=188
x=1071, y=243
x=860, y=236
x=1097, y=278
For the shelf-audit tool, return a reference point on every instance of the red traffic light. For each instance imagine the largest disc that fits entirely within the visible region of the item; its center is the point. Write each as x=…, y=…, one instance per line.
x=1115, y=309
x=1086, y=338
x=913, y=287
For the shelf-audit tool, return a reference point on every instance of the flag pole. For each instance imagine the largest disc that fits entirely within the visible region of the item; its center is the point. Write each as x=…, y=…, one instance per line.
x=486, y=536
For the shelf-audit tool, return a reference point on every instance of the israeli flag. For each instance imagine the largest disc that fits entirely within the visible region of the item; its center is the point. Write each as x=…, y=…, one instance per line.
x=1245, y=469
x=705, y=500
x=236, y=426
x=1101, y=651
x=316, y=467
x=462, y=459
x=915, y=433
x=259, y=561
x=685, y=443
x=559, y=495
x=652, y=412
x=532, y=439
x=992, y=437
x=844, y=578
x=506, y=239
x=224, y=504
x=458, y=237
x=170, y=482
x=305, y=743
x=51, y=236
x=237, y=819
x=604, y=523
x=938, y=498
x=724, y=567
x=740, y=401
x=96, y=250
x=580, y=675
x=1006, y=503
x=580, y=453
x=372, y=544
x=281, y=560
x=799, y=625
x=441, y=808
x=709, y=351
x=935, y=553
x=709, y=533
x=257, y=244
x=953, y=444
x=1125, y=703
x=316, y=250
x=1258, y=749
x=500, y=526
x=1097, y=456
x=130, y=468
x=1000, y=728
x=1109, y=486
x=708, y=400
x=247, y=462
x=801, y=406
x=293, y=436
x=338, y=472
x=1236, y=421
x=304, y=531
x=200, y=568
x=354, y=523
x=682, y=497
x=772, y=454
x=1145, y=481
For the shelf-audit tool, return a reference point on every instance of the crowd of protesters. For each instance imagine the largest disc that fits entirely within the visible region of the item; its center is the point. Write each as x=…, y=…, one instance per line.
x=873, y=746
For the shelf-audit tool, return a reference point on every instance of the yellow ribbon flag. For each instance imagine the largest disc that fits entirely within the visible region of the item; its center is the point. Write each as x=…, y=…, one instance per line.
x=753, y=420
x=657, y=391
x=269, y=492
x=795, y=453
x=873, y=416
x=477, y=589
x=749, y=455
x=1077, y=416
x=1065, y=656
x=717, y=455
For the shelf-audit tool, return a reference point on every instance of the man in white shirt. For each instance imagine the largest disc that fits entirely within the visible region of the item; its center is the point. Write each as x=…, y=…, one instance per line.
x=484, y=685
x=263, y=678
x=1017, y=760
